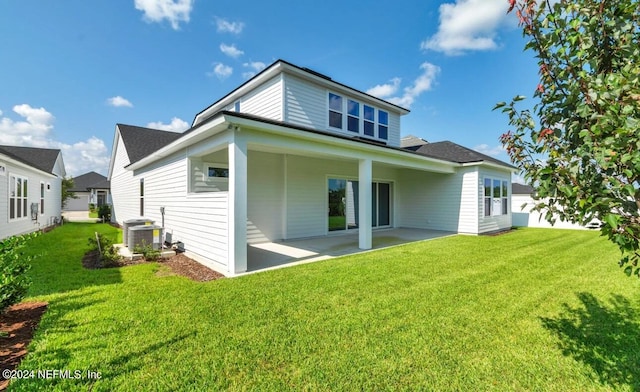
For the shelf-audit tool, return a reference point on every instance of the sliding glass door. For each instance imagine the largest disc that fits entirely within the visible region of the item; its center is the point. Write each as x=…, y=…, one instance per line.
x=343, y=211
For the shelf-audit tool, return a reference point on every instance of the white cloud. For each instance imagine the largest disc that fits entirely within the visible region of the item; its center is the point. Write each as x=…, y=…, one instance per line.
x=488, y=150
x=385, y=90
x=118, y=101
x=85, y=156
x=423, y=83
x=175, y=11
x=221, y=71
x=231, y=51
x=224, y=26
x=176, y=125
x=467, y=25
x=256, y=66
x=34, y=130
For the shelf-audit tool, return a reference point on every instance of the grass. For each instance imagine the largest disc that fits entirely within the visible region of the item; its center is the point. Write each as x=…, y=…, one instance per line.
x=530, y=310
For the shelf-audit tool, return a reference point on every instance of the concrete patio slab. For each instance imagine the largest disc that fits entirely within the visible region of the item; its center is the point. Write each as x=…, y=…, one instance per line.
x=272, y=255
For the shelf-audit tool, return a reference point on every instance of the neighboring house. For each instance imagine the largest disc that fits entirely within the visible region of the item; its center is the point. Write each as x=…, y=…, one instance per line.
x=30, y=189
x=523, y=215
x=89, y=188
x=291, y=154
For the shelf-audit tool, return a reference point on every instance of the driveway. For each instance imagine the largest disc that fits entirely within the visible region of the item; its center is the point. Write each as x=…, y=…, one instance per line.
x=78, y=216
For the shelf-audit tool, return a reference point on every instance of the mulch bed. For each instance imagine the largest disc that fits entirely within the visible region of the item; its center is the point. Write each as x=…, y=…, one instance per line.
x=18, y=322
x=179, y=265
x=182, y=265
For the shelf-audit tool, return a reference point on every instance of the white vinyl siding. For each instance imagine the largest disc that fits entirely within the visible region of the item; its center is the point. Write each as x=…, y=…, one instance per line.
x=265, y=197
x=265, y=101
x=124, y=188
x=306, y=104
x=51, y=200
x=199, y=220
x=437, y=201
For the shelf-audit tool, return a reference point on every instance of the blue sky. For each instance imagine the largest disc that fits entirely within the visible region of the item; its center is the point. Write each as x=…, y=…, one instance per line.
x=71, y=70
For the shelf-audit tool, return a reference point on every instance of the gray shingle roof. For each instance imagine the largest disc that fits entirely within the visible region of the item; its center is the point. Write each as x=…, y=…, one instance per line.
x=40, y=158
x=141, y=142
x=520, y=189
x=412, y=141
x=452, y=152
x=91, y=180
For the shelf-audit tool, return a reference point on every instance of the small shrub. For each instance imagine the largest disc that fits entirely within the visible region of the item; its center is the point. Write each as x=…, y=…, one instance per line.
x=147, y=251
x=92, y=207
x=104, y=213
x=14, y=281
x=109, y=257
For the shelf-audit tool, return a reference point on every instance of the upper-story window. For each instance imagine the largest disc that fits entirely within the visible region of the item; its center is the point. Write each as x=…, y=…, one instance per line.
x=369, y=120
x=360, y=118
x=353, y=116
x=335, y=111
x=383, y=124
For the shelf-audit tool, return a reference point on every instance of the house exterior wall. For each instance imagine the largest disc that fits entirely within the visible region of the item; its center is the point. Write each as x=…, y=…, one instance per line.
x=51, y=200
x=499, y=222
x=437, y=201
x=124, y=188
x=264, y=101
x=198, y=219
x=265, y=193
x=306, y=104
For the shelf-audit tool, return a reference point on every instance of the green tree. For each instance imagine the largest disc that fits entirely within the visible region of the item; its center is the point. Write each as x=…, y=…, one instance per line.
x=580, y=144
x=67, y=183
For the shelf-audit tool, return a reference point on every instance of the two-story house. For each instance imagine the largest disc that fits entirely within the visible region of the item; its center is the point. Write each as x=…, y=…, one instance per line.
x=292, y=153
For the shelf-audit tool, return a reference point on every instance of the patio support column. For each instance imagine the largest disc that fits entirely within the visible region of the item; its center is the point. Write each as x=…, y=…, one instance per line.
x=237, y=203
x=365, y=177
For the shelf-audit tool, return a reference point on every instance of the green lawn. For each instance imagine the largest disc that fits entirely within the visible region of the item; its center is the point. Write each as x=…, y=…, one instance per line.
x=529, y=310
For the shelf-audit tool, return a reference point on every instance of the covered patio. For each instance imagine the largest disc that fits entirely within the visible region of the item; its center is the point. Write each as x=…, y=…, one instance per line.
x=272, y=255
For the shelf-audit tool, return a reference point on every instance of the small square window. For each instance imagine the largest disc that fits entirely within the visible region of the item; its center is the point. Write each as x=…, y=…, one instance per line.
x=217, y=172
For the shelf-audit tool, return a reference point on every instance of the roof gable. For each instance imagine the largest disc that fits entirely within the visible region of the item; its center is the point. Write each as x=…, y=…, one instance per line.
x=453, y=152
x=89, y=180
x=282, y=67
x=141, y=142
x=43, y=159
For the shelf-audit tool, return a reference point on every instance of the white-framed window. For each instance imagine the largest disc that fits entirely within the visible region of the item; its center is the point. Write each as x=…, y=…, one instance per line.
x=142, y=197
x=216, y=171
x=18, y=194
x=42, y=189
x=383, y=124
x=496, y=197
x=353, y=116
x=335, y=111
